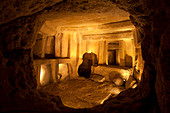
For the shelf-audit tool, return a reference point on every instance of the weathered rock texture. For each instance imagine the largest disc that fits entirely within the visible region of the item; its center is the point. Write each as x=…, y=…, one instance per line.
x=12, y=9
x=82, y=92
x=18, y=29
x=152, y=20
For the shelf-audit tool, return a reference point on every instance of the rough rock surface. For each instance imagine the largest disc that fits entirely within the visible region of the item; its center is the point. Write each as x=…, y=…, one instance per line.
x=12, y=9
x=109, y=71
x=17, y=36
x=116, y=78
x=82, y=92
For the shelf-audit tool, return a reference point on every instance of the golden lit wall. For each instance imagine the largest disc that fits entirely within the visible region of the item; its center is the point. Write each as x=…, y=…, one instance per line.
x=72, y=46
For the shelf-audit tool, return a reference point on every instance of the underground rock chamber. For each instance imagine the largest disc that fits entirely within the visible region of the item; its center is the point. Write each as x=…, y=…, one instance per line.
x=88, y=58
x=55, y=51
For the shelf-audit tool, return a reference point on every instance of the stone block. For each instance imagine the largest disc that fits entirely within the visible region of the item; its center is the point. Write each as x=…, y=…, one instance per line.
x=130, y=82
x=116, y=78
x=97, y=78
x=50, y=46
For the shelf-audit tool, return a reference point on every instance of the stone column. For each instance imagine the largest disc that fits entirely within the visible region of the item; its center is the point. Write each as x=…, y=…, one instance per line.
x=122, y=52
x=54, y=70
x=101, y=57
x=40, y=44
x=50, y=46
x=58, y=38
x=44, y=39
x=38, y=75
x=73, y=52
x=64, y=45
x=106, y=52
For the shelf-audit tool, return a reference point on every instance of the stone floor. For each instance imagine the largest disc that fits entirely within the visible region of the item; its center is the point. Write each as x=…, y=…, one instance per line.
x=82, y=93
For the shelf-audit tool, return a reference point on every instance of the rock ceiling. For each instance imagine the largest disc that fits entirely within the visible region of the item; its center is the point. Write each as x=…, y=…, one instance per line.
x=13, y=9
x=151, y=17
x=78, y=15
x=88, y=21
x=84, y=19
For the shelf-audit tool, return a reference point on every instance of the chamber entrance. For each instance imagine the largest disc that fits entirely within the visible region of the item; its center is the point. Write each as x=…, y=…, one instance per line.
x=61, y=44
x=112, y=57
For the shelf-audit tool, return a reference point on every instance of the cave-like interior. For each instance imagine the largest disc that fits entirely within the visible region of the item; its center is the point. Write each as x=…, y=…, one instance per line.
x=84, y=56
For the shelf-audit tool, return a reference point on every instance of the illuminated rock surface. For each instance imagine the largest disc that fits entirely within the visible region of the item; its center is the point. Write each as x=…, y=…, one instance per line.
x=82, y=93
x=21, y=21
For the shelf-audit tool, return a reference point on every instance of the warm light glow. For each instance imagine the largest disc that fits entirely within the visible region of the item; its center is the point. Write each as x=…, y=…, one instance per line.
x=73, y=48
x=92, y=46
x=60, y=66
x=105, y=98
x=137, y=66
x=63, y=71
x=134, y=86
x=118, y=81
x=115, y=90
x=89, y=51
x=125, y=74
x=42, y=73
x=139, y=78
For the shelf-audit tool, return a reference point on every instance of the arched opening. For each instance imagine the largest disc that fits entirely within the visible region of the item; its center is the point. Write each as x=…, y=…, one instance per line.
x=63, y=41
x=19, y=28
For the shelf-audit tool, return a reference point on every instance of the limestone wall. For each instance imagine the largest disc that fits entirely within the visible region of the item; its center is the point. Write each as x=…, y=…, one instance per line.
x=18, y=31
x=72, y=46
